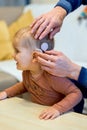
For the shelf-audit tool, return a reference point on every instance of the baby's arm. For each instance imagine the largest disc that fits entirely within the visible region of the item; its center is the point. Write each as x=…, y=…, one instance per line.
x=72, y=94
x=72, y=97
x=12, y=91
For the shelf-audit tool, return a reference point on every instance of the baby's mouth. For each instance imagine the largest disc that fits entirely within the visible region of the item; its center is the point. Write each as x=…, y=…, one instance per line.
x=16, y=63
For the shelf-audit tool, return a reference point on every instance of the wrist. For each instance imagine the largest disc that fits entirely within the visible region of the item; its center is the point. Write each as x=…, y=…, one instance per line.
x=61, y=11
x=66, y=5
x=74, y=71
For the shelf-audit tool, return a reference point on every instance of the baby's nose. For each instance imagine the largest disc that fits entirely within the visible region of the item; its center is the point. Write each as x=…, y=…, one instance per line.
x=14, y=56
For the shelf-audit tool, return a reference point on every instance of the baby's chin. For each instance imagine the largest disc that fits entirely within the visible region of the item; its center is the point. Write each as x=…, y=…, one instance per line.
x=20, y=68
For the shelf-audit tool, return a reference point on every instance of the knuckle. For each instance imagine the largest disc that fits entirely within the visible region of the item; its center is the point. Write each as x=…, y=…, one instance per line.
x=42, y=26
x=53, y=22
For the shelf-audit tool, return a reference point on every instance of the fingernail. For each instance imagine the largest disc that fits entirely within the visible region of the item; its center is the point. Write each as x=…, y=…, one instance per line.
x=40, y=38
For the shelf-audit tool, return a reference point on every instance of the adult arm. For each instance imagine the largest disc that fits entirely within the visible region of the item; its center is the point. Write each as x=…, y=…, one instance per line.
x=82, y=79
x=69, y=5
x=84, y=2
x=51, y=22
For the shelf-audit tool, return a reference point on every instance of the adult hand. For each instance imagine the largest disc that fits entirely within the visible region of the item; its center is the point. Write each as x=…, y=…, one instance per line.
x=56, y=63
x=48, y=23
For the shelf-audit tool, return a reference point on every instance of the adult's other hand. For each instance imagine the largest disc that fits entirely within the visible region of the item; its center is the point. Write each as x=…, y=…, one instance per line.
x=56, y=63
x=48, y=23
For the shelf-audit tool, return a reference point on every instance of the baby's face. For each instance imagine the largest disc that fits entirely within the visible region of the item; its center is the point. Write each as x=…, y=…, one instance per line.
x=23, y=57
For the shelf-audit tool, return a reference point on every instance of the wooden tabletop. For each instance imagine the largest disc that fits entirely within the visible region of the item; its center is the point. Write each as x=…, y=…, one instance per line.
x=20, y=114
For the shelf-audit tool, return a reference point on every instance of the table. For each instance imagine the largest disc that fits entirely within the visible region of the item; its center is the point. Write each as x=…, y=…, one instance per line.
x=20, y=114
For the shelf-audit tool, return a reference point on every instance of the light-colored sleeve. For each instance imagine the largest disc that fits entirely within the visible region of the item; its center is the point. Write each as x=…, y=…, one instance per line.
x=72, y=94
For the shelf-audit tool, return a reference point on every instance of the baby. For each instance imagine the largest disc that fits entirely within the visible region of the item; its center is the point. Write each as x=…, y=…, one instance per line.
x=58, y=93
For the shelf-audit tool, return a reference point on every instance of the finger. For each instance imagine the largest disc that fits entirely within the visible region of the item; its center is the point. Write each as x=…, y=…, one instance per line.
x=48, y=116
x=46, y=57
x=45, y=62
x=52, y=33
x=45, y=116
x=42, y=115
x=37, y=24
x=46, y=31
x=33, y=23
x=41, y=29
x=55, y=115
x=52, y=52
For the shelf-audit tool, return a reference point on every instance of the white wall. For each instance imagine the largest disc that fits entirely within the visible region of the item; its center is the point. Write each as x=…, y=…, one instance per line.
x=44, y=1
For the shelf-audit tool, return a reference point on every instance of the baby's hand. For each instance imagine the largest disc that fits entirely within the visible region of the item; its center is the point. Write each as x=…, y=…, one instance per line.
x=49, y=113
x=3, y=95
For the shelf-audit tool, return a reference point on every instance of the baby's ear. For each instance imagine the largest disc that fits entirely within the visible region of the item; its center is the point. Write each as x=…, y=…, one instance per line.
x=35, y=55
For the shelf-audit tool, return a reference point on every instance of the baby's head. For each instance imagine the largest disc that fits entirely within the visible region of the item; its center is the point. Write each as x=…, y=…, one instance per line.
x=26, y=47
x=26, y=40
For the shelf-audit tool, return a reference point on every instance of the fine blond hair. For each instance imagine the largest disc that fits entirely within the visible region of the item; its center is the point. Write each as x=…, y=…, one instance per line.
x=26, y=39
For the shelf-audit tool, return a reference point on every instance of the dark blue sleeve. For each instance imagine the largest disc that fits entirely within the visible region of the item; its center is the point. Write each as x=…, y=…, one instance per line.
x=69, y=5
x=83, y=77
x=84, y=2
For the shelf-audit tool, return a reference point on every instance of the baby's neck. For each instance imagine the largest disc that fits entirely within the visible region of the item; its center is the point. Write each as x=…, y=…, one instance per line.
x=36, y=72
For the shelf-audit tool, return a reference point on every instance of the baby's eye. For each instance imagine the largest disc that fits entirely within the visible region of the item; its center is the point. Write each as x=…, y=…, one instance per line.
x=16, y=51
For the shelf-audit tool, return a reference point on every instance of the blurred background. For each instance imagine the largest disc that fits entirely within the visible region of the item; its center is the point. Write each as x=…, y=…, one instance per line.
x=23, y=2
